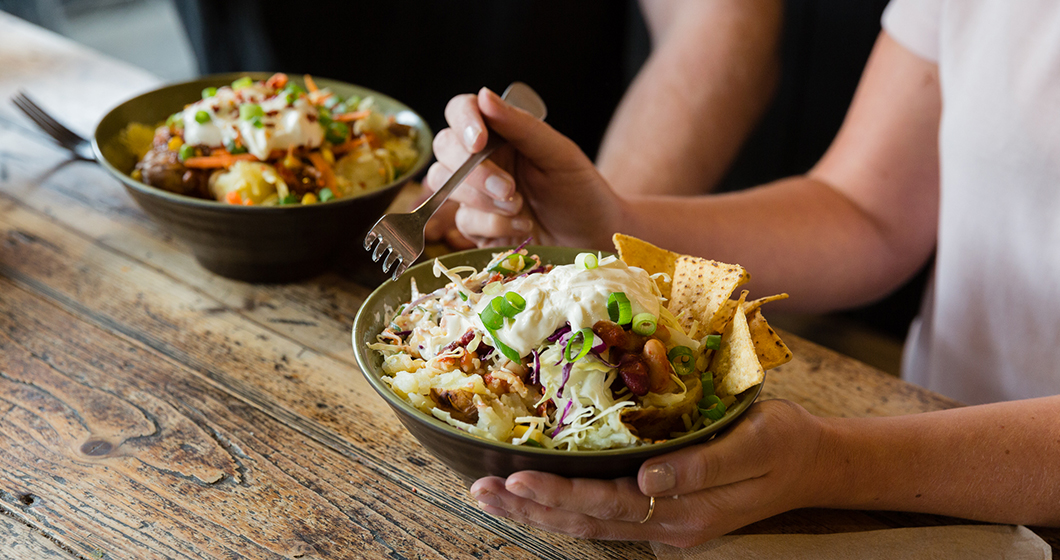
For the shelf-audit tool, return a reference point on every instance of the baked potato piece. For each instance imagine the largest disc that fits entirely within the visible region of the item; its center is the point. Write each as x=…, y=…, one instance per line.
x=655, y=423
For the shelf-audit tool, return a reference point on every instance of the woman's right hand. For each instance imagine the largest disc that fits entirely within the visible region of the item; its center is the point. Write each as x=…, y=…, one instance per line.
x=540, y=184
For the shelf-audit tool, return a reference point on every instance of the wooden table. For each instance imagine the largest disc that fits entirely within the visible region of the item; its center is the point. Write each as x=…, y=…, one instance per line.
x=151, y=409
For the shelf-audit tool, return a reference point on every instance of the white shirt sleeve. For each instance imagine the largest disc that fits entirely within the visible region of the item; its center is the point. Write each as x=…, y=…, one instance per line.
x=915, y=25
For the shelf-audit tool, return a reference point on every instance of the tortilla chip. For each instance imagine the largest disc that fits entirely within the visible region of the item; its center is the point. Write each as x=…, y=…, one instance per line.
x=701, y=287
x=724, y=315
x=642, y=254
x=771, y=351
x=736, y=367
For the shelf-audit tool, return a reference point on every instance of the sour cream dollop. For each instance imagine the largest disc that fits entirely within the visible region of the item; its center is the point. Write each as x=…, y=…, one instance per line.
x=283, y=125
x=571, y=294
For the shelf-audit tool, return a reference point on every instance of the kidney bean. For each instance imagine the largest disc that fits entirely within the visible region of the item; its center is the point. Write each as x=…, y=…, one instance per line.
x=616, y=337
x=634, y=374
x=659, y=368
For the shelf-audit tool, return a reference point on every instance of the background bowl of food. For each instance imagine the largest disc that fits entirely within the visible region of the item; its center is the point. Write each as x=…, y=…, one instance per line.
x=266, y=177
x=497, y=403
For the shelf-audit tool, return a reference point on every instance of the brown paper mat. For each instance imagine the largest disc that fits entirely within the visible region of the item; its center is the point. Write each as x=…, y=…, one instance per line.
x=965, y=542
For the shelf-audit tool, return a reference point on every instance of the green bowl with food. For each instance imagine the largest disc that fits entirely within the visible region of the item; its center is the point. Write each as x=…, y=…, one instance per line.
x=553, y=359
x=266, y=177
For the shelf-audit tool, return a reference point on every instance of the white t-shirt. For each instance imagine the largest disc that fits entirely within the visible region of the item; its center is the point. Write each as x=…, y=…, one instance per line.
x=989, y=329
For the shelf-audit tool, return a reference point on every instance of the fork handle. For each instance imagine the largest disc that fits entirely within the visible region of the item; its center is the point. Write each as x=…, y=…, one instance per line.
x=431, y=205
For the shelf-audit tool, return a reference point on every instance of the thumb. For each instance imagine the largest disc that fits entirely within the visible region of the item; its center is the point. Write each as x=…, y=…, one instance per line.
x=546, y=148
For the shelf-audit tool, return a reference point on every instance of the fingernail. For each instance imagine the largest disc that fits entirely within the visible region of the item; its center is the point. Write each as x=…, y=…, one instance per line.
x=522, y=224
x=471, y=134
x=487, y=498
x=499, y=187
x=659, y=478
x=509, y=206
x=520, y=490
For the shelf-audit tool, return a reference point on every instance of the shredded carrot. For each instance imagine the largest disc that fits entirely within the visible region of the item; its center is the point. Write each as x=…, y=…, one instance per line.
x=277, y=80
x=347, y=117
x=348, y=145
x=216, y=161
x=232, y=197
x=325, y=170
x=310, y=84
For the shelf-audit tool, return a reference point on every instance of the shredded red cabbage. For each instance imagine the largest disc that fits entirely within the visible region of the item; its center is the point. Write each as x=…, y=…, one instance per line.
x=562, y=417
x=566, y=375
x=420, y=300
x=535, y=375
x=559, y=332
x=523, y=244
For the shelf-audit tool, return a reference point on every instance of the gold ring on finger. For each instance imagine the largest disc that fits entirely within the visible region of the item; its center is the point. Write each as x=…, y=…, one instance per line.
x=651, y=510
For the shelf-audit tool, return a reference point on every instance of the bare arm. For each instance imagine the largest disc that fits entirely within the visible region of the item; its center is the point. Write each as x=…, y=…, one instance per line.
x=994, y=462
x=713, y=69
x=861, y=222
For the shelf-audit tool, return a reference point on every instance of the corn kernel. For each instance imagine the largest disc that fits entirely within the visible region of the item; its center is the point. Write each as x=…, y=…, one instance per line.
x=519, y=431
x=327, y=155
x=309, y=198
x=175, y=143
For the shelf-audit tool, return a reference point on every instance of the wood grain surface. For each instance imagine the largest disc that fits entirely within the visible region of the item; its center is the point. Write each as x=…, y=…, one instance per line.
x=150, y=409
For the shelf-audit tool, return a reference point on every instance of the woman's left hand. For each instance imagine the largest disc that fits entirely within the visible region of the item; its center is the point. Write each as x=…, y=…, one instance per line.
x=768, y=463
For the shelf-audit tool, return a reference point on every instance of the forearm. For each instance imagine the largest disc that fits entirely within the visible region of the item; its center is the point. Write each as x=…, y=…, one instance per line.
x=996, y=462
x=707, y=82
x=797, y=235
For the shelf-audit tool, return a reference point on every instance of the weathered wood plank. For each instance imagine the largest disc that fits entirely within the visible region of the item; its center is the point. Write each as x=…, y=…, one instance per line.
x=179, y=468
x=19, y=541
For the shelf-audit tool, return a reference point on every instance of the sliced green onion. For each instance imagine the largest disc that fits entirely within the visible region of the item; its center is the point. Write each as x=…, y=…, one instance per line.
x=504, y=348
x=509, y=265
x=234, y=148
x=462, y=295
x=586, y=261
x=248, y=111
x=714, y=341
x=243, y=82
x=209, y=92
x=353, y=102
x=337, y=132
x=644, y=324
x=291, y=198
x=176, y=119
x=619, y=309
x=681, y=358
x=533, y=443
x=186, y=151
x=516, y=302
x=586, y=336
x=492, y=288
x=256, y=121
x=202, y=117
x=491, y=318
x=708, y=382
x=325, y=194
x=713, y=409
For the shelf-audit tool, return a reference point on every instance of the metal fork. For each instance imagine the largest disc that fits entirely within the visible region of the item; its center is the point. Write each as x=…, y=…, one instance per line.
x=72, y=141
x=401, y=235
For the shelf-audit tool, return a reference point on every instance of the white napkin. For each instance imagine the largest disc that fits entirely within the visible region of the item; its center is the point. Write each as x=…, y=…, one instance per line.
x=964, y=542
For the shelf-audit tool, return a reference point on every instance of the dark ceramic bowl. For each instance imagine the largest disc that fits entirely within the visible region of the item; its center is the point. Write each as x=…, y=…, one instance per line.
x=252, y=243
x=473, y=457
